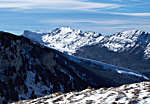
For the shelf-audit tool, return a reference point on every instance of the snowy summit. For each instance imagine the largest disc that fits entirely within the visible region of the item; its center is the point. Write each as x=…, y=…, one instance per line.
x=65, y=39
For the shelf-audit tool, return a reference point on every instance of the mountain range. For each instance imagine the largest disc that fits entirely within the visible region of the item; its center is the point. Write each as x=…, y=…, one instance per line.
x=29, y=69
x=129, y=49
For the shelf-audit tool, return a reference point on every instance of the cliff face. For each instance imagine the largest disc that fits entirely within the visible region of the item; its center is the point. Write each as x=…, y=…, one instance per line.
x=29, y=70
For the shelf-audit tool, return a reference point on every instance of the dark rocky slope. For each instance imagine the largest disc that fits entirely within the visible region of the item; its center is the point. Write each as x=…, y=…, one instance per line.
x=132, y=59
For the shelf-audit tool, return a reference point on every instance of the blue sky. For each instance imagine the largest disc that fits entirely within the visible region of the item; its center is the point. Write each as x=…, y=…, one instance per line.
x=104, y=16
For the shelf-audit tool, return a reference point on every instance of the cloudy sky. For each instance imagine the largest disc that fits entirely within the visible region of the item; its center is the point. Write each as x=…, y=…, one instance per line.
x=104, y=16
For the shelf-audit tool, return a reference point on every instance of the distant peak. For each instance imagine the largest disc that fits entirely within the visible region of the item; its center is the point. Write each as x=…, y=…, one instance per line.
x=35, y=32
x=65, y=30
x=133, y=32
x=26, y=31
x=130, y=33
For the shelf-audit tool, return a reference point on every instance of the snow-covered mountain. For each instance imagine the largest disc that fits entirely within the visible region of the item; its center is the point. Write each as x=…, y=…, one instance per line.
x=129, y=49
x=137, y=93
x=127, y=40
x=29, y=70
x=70, y=40
x=65, y=39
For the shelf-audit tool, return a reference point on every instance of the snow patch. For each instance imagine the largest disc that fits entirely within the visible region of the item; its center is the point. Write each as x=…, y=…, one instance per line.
x=127, y=94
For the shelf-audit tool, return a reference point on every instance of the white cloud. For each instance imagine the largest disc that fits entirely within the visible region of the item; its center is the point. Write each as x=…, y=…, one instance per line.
x=55, y=4
x=132, y=27
x=127, y=0
x=133, y=14
x=67, y=21
x=105, y=26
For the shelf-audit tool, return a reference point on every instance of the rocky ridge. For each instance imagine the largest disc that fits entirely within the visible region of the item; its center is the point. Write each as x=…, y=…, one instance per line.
x=138, y=93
